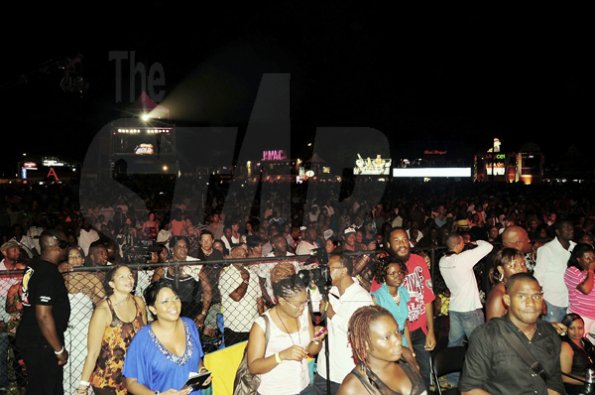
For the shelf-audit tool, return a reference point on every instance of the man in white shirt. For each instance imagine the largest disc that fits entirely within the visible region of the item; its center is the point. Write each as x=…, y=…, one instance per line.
x=465, y=309
x=344, y=298
x=551, y=263
x=240, y=298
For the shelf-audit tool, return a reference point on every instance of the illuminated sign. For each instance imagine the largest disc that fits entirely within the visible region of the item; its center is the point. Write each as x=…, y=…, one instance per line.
x=30, y=165
x=375, y=167
x=499, y=169
x=146, y=131
x=144, y=149
x=435, y=152
x=273, y=155
x=326, y=169
x=432, y=172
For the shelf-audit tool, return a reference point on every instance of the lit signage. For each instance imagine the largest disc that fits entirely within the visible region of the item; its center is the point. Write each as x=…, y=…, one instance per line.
x=434, y=152
x=146, y=131
x=376, y=167
x=30, y=165
x=144, y=149
x=498, y=167
x=273, y=155
x=428, y=172
x=326, y=170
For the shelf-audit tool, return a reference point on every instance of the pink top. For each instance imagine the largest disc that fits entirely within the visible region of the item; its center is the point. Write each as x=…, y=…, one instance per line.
x=579, y=303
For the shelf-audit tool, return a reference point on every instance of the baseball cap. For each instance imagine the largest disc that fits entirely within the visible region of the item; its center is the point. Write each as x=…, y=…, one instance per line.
x=9, y=244
x=349, y=229
x=327, y=234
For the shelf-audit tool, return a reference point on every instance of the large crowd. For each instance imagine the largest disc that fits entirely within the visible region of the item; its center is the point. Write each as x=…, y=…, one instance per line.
x=137, y=296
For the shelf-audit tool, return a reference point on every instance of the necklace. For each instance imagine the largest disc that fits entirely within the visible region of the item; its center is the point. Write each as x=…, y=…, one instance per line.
x=397, y=297
x=287, y=331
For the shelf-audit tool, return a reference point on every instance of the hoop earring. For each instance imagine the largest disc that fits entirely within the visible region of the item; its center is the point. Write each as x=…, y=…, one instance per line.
x=501, y=278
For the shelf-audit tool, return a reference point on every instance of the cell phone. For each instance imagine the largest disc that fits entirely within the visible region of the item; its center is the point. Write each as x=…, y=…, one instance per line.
x=197, y=382
x=321, y=332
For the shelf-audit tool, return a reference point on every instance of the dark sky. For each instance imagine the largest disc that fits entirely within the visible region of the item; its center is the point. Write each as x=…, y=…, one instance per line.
x=437, y=79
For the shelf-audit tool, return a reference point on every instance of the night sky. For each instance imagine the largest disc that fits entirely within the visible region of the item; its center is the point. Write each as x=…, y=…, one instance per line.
x=432, y=79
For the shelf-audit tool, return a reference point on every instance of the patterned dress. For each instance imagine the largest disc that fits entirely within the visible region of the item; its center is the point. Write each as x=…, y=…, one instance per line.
x=116, y=338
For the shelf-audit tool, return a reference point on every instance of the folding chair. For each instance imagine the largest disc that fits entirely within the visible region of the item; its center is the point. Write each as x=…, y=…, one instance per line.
x=445, y=361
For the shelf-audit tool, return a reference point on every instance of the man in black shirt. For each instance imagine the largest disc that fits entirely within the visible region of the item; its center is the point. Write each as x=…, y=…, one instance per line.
x=46, y=310
x=493, y=366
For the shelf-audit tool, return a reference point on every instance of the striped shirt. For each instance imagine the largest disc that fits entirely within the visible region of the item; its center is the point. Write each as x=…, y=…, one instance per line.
x=579, y=303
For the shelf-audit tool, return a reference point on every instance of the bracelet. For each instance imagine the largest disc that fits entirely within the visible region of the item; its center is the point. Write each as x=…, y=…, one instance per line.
x=245, y=282
x=278, y=358
x=326, y=306
x=59, y=351
x=203, y=313
x=315, y=341
x=84, y=383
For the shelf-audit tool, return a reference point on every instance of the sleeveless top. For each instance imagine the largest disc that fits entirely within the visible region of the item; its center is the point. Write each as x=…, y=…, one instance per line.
x=116, y=338
x=417, y=385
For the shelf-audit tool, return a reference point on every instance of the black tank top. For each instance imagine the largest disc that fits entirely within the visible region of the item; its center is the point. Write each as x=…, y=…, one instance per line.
x=417, y=384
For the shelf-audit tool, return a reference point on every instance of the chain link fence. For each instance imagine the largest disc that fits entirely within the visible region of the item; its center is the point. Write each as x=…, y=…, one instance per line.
x=218, y=284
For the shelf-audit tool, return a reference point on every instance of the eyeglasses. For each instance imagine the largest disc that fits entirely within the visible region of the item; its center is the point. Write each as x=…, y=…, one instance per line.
x=397, y=273
x=298, y=305
x=335, y=267
x=516, y=264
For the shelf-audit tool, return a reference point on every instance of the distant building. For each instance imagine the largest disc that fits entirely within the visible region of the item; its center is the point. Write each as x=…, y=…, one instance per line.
x=524, y=166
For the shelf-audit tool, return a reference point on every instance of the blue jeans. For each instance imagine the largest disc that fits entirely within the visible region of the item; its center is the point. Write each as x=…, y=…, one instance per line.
x=418, y=339
x=4, y=343
x=462, y=324
x=554, y=313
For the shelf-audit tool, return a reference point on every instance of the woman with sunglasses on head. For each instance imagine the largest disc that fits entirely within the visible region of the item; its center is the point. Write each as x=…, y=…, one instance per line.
x=507, y=261
x=281, y=363
x=377, y=349
x=113, y=325
x=164, y=353
x=394, y=297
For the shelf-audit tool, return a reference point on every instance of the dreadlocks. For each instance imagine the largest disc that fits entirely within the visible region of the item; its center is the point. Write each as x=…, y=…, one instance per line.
x=359, y=330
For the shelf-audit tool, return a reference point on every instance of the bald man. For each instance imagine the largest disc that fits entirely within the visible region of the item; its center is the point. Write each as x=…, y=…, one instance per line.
x=516, y=237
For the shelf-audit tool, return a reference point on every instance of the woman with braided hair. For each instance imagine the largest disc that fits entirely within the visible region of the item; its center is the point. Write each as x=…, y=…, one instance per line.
x=376, y=342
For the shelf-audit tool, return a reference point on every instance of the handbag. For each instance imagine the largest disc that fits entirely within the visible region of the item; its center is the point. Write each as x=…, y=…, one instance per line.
x=246, y=383
x=522, y=351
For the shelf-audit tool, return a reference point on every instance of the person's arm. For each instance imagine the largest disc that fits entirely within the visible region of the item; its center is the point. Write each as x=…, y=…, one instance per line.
x=408, y=337
x=99, y=321
x=47, y=325
x=206, y=298
x=431, y=335
x=477, y=365
x=158, y=274
x=566, y=354
x=237, y=294
x=587, y=285
x=495, y=306
x=472, y=257
x=315, y=344
x=13, y=301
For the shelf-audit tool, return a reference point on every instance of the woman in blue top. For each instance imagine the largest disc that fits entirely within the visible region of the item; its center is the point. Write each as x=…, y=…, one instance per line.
x=163, y=353
x=394, y=297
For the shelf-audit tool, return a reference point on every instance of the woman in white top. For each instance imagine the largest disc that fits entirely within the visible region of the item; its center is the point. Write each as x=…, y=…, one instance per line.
x=281, y=362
